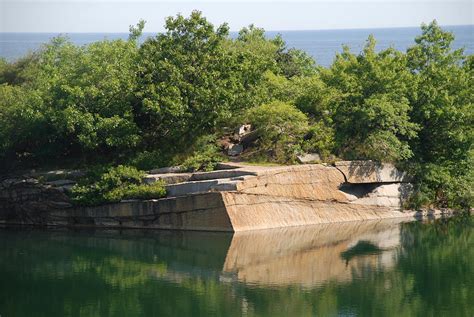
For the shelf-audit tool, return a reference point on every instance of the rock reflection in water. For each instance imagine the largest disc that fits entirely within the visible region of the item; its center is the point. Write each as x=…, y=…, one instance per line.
x=357, y=268
x=311, y=256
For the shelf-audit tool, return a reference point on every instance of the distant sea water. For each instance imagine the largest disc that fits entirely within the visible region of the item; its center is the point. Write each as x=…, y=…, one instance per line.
x=321, y=44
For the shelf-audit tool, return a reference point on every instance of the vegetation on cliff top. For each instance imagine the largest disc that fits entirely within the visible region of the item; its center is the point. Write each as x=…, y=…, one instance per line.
x=167, y=100
x=113, y=184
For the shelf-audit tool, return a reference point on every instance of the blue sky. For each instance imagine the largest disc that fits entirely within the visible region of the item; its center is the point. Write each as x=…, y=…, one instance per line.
x=116, y=16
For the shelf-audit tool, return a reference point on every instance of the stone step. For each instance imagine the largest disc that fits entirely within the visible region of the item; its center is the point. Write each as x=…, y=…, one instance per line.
x=221, y=174
x=227, y=166
x=193, y=187
x=167, y=170
x=168, y=178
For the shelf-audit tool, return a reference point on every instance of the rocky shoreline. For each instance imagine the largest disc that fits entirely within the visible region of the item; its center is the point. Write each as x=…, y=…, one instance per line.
x=235, y=197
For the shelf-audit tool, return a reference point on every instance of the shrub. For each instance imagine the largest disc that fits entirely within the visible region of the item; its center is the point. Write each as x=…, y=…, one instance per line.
x=148, y=160
x=372, y=105
x=446, y=186
x=205, y=156
x=114, y=184
x=281, y=128
x=319, y=139
x=144, y=191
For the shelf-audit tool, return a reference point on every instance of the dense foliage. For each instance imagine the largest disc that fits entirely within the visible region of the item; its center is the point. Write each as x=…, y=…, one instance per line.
x=170, y=99
x=114, y=184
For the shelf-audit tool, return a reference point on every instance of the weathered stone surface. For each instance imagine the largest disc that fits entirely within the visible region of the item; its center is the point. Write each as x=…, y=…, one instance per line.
x=248, y=138
x=193, y=187
x=308, y=158
x=249, y=212
x=358, y=172
x=235, y=149
x=239, y=199
x=193, y=212
x=377, y=194
x=227, y=166
x=169, y=178
x=23, y=199
x=388, y=195
x=244, y=129
x=56, y=174
x=61, y=182
x=298, y=181
x=230, y=173
x=166, y=170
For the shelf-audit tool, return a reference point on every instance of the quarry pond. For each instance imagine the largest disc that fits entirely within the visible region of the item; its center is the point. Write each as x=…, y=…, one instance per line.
x=391, y=267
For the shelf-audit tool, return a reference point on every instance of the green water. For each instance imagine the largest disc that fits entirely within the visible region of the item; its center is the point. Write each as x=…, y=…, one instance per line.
x=382, y=268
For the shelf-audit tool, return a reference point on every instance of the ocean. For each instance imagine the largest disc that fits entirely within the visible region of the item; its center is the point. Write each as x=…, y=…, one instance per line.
x=322, y=45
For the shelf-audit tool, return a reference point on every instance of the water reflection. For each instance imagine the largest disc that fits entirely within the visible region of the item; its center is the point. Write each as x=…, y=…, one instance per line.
x=357, y=268
x=310, y=256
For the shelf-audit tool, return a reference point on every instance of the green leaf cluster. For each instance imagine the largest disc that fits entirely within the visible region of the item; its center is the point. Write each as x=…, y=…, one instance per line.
x=280, y=126
x=113, y=185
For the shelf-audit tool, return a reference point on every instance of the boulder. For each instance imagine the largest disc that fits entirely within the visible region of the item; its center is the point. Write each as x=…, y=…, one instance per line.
x=377, y=194
x=235, y=149
x=362, y=172
x=248, y=138
x=244, y=129
x=308, y=158
x=25, y=198
x=167, y=178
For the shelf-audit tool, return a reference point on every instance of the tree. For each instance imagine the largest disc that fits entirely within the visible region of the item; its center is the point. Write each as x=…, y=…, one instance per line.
x=442, y=105
x=281, y=128
x=82, y=96
x=371, y=114
x=183, y=82
x=24, y=126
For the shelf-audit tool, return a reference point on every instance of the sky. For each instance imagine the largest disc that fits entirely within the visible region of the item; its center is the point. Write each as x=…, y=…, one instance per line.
x=69, y=16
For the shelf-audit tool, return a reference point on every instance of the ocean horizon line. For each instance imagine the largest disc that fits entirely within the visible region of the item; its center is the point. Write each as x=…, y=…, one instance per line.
x=236, y=31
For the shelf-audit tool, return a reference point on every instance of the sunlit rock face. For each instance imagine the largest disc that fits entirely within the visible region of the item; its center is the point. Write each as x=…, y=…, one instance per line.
x=314, y=255
x=243, y=197
x=362, y=172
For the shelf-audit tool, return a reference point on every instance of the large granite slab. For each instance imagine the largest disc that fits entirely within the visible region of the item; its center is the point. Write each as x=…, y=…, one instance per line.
x=362, y=172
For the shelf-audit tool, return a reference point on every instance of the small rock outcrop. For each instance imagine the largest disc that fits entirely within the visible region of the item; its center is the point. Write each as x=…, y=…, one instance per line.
x=235, y=143
x=167, y=170
x=235, y=149
x=363, y=172
x=28, y=200
x=308, y=158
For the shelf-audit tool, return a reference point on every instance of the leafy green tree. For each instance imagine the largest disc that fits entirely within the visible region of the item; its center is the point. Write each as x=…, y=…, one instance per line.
x=313, y=97
x=24, y=128
x=294, y=62
x=371, y=115
x=184, y=81
x=281, y=128
x=81, y=96
x=17, y=72
x=91, y=90
x=443, y=100
x=442, y=105
x=254, y=56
